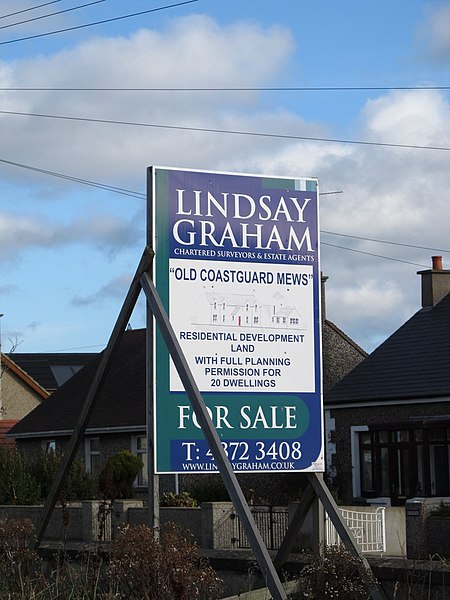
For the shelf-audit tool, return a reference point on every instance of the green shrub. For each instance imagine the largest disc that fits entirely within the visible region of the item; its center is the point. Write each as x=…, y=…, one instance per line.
x=183, y=499
x=28, y=480
x=78, y=485
x=117, y=477
x=17, y=483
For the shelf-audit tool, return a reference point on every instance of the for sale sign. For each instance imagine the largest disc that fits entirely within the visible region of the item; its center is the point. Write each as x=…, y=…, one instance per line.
x=237, y=267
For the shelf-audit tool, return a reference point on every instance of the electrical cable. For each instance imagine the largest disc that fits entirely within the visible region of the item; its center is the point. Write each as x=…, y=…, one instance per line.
x=226, y=131
x=375, y=255
x=221, y=89
x=142, y=196
x=356, y=237
x=87, y=182
x=60, y=12
x=112, y=19
x=18, y=12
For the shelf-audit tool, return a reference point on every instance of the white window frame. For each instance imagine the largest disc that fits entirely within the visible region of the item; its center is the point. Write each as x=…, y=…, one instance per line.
x=49, y=446
x=142, y=478
x=355, y=430
x=89, y=453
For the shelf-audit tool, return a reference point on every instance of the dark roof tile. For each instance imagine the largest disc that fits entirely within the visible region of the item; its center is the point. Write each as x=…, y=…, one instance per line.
x=121, y=402
x=412, y=363
x=50, y=370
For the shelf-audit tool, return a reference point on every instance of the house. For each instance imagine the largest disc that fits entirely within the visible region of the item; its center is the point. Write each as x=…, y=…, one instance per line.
x=388, y=420
x=27, y=379
x=118, y=420
x=19, y=392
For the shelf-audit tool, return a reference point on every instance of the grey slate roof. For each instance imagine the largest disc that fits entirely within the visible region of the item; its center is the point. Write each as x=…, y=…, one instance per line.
x=413, y=363
x=51, y=370
x=121, y=402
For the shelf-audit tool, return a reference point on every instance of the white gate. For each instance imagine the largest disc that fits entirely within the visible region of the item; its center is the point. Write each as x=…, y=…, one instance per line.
x=368, y=528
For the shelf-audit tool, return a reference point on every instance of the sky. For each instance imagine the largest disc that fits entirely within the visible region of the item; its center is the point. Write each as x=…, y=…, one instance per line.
x=364, y=82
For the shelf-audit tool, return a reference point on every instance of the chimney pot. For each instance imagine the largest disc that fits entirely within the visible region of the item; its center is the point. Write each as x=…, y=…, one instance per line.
x=437, y=263
x=435, y=283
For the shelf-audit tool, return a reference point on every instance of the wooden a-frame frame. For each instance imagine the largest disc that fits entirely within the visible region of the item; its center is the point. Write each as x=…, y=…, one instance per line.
x=316, y=486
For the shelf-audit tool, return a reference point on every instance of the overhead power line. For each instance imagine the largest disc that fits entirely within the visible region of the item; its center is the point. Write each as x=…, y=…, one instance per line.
x=226, y=131
x=96, y=184
x=366, y=239
x=142, y=196
x=223, y=89
x=376, y=255
x=112, y=19
x=18, y=12
x=60, y=12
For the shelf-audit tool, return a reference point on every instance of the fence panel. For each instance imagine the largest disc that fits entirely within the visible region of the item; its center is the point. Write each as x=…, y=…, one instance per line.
x=368, y=528
x=272, y=523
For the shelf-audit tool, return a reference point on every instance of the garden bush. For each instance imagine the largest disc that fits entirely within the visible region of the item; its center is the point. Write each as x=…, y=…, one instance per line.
x=184, y=499
x=27, y=480
x=335, y=574
x=78, y=485
x=17, y=483
x=142, y=566
x=118, y=474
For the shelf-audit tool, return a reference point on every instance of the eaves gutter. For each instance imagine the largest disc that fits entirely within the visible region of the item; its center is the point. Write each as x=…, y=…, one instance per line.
x=387, y=402
x=68, y=432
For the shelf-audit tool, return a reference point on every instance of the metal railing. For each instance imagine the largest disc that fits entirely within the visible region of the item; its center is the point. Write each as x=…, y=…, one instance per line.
x=368, y=528
x=272, y=523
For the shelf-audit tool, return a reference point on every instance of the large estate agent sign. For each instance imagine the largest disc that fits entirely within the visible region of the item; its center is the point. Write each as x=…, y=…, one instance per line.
x=237, y=267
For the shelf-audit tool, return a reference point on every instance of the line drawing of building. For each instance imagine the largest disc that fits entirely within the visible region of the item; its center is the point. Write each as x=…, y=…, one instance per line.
x=245, y=310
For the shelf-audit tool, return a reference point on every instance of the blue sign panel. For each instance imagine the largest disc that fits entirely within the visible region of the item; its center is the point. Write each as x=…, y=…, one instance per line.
x=237, y=267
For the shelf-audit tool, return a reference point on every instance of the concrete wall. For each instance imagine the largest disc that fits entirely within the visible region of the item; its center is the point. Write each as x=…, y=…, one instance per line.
x=56, y=528
x=395, y=527
x=213, y=526
x=395, y=522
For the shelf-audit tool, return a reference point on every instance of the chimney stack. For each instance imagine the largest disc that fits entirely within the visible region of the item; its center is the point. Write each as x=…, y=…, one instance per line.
x=435, y=283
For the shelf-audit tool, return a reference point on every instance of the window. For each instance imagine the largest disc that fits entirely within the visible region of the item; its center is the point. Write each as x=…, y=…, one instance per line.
x=92, y=454
x=49, y=446
x=404, y=462
x=139, y=448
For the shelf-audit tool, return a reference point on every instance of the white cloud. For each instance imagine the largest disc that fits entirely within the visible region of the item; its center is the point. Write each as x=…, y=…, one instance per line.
x=193, y=51
x=434, y=34
x=19, y=232
x=116, y=288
